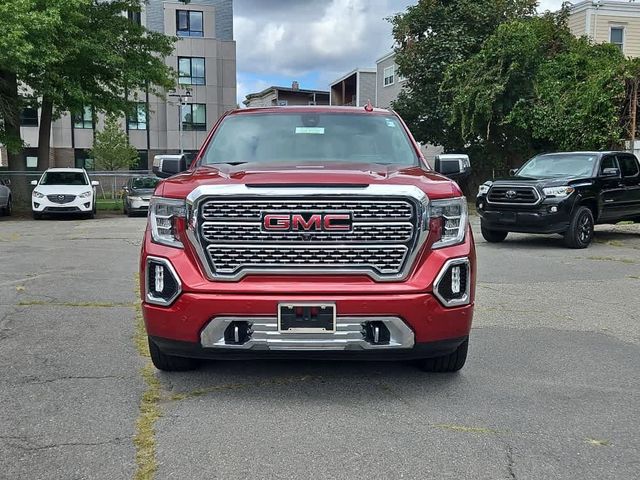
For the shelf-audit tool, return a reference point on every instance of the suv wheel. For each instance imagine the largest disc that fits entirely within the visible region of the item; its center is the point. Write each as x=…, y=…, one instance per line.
x=492, y=236
x=36, y=215
x=169, y=363
x=6, y=210
x=580, y=232
x=447, y=363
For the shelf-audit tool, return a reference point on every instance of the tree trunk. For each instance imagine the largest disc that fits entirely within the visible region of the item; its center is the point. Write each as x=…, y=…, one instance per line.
x=9, y=94
x=44, y=133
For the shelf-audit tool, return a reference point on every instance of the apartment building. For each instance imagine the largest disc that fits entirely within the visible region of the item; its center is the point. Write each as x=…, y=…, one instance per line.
x=205, y=59
x=355, y=88
x=617, y=22
x=284, y=96
x=388, y=82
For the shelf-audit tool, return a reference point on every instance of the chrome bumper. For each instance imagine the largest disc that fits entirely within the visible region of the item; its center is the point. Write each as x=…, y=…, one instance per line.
x=348, y=335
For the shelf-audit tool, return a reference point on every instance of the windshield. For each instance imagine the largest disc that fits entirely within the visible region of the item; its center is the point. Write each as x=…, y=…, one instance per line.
x=310, y=137
x=63, y=178
x=144, y=182
x=561, y=165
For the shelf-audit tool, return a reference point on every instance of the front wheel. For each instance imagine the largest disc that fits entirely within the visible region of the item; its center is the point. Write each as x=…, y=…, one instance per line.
x=36, y=215
x=170, y=363
x=580, y=231
x=6, y=210
x=447, y=363
x=493, y=236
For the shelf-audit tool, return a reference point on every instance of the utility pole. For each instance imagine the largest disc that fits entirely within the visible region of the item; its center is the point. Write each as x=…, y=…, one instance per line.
x=183, y=100
x=634, y=112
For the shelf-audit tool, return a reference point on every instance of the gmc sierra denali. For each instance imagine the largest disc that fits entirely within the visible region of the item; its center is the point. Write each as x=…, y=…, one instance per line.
x=312, y=232
x=566, y=193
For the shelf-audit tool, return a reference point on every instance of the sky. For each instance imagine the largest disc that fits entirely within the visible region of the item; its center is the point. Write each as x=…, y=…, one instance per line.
x=312, y=41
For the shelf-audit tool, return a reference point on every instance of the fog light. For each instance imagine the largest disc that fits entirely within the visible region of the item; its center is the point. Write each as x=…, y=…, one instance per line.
x=162, y=282
x=553, y=209
x=453, y=283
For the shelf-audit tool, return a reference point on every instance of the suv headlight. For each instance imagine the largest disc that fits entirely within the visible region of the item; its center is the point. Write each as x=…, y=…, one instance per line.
x=85, y=195
x=37, y=194
x=163, y=216
x=452, y=213
x=484, y=188
x=558, y=192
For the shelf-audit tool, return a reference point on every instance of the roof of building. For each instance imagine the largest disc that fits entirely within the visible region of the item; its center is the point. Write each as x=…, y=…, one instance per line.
x=618, y=6
x=387, y=56
x=286, y=89
x=353, y=72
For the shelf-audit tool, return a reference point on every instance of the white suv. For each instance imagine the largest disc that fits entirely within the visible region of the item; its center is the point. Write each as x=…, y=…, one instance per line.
x=64, y=190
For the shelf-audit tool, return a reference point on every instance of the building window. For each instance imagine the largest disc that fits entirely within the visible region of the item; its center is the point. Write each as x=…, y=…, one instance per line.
x=135, y=17
x=389, y=75
x=283, y=103
x=189, y=23
x=194, y=116
x=31, y=158
x=137, y=120
x=143, y=161
x=191, y=71
x=84, y=119
x=29, y=117
x=616, y=36
x=83, y=159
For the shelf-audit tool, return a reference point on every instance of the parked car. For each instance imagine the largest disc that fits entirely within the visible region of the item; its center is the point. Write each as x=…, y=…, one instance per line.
x=566, y=193
x=6, y=200
x=64, y=190
x=137, y=193
x=310, y=232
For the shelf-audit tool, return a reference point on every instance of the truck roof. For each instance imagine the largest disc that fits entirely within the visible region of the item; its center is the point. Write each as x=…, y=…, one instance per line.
x=310, y=109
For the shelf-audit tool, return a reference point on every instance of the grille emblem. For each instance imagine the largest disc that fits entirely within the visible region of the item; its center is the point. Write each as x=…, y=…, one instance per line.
x=60, y=197
x=306, y=223
x=511, y=194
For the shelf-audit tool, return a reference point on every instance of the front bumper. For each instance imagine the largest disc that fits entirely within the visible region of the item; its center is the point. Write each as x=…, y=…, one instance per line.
x=78, y=205
x=138, y=205
x=550, y=216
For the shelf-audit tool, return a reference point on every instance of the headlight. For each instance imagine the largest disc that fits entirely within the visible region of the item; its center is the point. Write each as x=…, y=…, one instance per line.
x=559, y=192
x=85, y=195
x=163, y=216
x=484, y=188
x=452, y=213
x=135, y=199
x=37, y=194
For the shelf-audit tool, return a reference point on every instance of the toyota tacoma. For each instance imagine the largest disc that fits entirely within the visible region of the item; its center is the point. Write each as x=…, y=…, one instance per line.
x=566, y=193
x=308, y=232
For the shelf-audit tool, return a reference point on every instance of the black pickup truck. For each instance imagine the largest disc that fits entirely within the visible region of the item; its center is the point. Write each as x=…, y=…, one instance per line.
x=566, y=193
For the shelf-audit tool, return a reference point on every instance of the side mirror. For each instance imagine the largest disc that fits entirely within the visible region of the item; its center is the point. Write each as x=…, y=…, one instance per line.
x=34, y=182
x=165, y=166
x=95, y=183
x=455, y=165
x=512, y=172
x=610, y=172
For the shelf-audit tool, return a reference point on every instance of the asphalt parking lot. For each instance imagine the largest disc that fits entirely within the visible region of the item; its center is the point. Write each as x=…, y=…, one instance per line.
x=551, y=388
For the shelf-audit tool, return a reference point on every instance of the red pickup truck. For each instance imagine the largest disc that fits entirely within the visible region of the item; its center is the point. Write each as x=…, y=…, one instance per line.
x=308, y=232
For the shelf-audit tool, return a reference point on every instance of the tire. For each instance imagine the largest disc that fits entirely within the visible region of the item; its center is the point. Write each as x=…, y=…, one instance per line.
x=169, y=363
x=9, y=208
x=447, y=363
x=492, y=236
x=36, y=215
x=124, y=208
x=580, y=232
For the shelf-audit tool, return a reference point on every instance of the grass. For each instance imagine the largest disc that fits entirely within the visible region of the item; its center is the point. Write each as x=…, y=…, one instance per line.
x=108, y=204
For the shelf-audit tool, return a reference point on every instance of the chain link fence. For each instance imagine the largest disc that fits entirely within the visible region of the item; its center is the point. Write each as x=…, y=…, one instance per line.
x=109, y=192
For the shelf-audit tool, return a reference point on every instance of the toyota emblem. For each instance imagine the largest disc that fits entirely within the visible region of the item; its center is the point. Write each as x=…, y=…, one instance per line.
x=511, y=194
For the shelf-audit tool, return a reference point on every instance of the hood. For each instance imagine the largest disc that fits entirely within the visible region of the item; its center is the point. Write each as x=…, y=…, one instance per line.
x=334, y=174
x=63, y=189
x=540, y=182
x=141, y=191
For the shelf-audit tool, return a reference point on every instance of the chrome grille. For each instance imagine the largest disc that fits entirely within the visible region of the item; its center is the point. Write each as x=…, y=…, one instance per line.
x=385, y=209
x=513, y=194
x=61, y=198
x=384, y=235
x=219, y=232
x=382, y=259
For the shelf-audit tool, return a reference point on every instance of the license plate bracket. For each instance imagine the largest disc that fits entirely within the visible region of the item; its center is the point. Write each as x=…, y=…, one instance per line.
x=307, y=317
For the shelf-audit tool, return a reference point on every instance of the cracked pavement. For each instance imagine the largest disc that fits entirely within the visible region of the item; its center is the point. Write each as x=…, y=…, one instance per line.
x=550, y=389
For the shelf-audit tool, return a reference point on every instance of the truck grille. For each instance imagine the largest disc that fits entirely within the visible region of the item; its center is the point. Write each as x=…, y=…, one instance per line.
x=234, y=241
x=61, y=198
x=513, y=195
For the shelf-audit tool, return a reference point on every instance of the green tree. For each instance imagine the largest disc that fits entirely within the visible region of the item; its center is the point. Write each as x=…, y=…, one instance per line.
x=433, y=35
x=74, y=53
x=111, y=149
